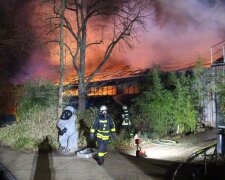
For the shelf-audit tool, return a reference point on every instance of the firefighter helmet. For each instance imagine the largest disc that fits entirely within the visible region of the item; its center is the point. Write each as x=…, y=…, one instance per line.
x=103, y=109
x=124, y=107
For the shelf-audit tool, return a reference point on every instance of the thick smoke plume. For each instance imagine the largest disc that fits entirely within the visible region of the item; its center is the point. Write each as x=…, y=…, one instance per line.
x=21, y=54
x=176, y=34
x=180, y=32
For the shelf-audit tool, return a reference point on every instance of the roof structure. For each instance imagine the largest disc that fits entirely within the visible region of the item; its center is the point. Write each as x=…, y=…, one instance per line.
x=111, y=82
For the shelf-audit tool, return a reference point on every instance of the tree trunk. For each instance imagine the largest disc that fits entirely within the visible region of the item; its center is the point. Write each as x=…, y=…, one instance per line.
x=82, y=88
x=82, y=96
x=60, y=100
x=82, y=101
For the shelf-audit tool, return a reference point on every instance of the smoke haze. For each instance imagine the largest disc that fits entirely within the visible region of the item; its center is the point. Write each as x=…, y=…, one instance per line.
x=177, y=33
x=181, y=31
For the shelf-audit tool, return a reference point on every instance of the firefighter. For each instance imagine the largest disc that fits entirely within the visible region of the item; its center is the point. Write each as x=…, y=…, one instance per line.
x=68, y=134
x=104, y=129
x=126, y=124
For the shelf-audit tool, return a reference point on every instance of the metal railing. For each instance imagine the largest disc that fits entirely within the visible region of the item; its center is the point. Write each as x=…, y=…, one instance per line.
x=217, y=51
x=194, y=156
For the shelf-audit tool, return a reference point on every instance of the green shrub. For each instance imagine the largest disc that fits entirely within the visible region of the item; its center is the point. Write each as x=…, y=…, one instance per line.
x=121, y=142
x=84, y=123
x=28, y=133
x=163, y=105
x=34, y=97
x=37, y=113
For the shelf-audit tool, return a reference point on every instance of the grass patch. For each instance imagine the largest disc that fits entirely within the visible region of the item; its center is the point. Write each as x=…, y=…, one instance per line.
x=121, y=142
x=29, y=133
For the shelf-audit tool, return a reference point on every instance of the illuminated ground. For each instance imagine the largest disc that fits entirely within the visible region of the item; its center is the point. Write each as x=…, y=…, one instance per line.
x=179, y=151
x=161, y=161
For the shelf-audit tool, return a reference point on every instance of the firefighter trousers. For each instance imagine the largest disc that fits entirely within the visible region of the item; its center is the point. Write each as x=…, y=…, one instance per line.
x=102, y=149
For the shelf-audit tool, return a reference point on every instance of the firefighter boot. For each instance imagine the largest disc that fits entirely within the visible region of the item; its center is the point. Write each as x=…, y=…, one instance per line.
x=100, y=161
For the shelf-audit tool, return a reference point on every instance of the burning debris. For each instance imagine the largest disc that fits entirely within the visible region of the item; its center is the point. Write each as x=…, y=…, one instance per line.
x=8, y=104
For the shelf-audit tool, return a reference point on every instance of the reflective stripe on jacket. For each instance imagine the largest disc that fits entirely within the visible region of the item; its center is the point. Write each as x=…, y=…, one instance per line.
x=125, y=117
x=103, y=127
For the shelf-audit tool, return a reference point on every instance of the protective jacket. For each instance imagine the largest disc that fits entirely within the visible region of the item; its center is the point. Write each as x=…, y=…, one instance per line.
x=125, y=117
x=103, y=127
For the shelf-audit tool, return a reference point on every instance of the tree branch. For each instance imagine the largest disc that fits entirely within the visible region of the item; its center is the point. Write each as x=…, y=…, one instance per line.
x=68, y=47
x=69, y=28
x=75, y=58
x=90, y=44
x=106, y=57
x=127, y=28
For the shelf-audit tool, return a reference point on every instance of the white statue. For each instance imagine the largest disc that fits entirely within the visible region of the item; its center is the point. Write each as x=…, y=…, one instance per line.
x=68, y=135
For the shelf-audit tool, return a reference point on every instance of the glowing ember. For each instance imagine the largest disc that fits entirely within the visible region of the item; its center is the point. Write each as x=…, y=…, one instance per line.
x=8, y=100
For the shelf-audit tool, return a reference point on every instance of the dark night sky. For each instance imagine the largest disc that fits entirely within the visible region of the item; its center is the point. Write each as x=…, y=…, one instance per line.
x=19, y=43
x=16, y=39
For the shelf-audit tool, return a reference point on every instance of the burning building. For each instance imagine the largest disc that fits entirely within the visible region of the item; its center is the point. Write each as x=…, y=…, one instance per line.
x=121, y=84
x=117, y=81
x=181, y=31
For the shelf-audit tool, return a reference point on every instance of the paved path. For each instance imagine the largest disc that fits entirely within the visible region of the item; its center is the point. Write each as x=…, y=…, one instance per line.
x=51, y=166
x=182, y=150
x=48, y=166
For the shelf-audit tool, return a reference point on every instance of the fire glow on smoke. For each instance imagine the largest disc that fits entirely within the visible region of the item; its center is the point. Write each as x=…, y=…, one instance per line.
x=176, y=34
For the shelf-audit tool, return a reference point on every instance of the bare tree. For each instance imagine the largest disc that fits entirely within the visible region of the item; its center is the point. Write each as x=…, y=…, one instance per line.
x=60, y=99
x=119, y=17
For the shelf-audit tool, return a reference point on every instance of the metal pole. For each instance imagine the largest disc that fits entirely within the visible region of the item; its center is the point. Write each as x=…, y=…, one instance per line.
x=211, y=50
x=223, y=54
